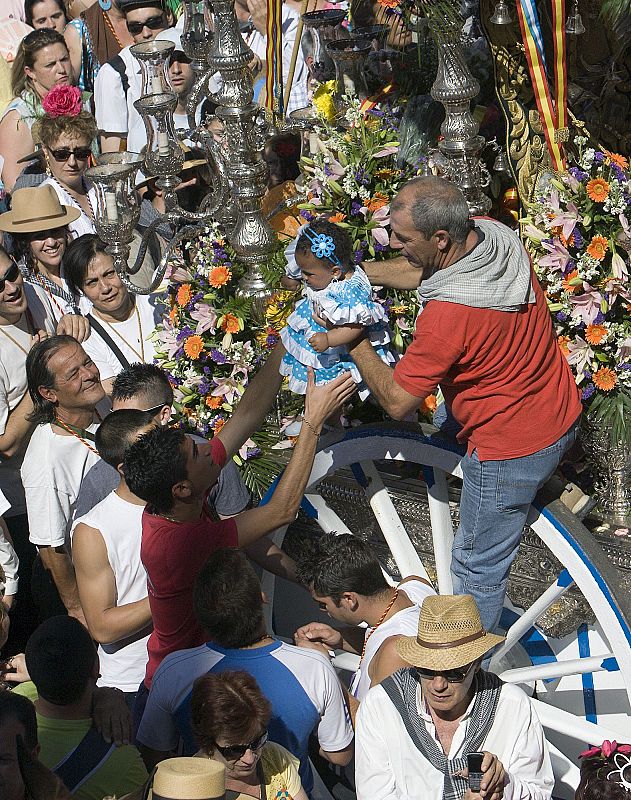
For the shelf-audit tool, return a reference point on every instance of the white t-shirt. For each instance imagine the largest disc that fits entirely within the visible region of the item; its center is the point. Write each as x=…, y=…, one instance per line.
x=388, y=766
x=13, y=384
x=122, y=664
x=83, y=224
x=403, y=623
x=8, y=557
x=53, y=468
x=115, y=113
x=130, y=336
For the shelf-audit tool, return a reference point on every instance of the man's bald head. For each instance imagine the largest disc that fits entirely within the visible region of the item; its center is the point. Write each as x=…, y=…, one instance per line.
x=435, y=204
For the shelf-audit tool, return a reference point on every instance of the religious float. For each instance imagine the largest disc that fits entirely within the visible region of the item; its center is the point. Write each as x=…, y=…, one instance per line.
x=392, y=93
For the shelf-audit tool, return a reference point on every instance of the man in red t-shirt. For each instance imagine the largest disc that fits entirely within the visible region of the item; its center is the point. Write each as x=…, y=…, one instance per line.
x=173, y=474
x=485, y=337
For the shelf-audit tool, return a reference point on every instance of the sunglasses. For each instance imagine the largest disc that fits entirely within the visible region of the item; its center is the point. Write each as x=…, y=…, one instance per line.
x=64, y=153
x=153, y=411
x=450, y=675
x=237, y=751
x=11, y=275
x=153, y=23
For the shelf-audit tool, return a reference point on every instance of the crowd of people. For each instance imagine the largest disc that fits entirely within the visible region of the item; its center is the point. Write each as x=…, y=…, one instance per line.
x=132, y=620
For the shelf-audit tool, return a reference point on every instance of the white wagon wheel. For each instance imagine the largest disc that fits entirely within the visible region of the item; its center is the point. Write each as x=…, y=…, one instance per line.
x=585, y=566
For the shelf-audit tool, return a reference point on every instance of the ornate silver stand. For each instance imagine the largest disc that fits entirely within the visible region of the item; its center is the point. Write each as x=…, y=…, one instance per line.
x=612, y=471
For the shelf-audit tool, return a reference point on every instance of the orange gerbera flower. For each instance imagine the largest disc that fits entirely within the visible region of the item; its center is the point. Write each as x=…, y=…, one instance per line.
x=218, y=425
x=230, y=324
x=616, y=158
x=563, y=340
x=429, y=403
x=193, y=346
x=567, y=286
x=173, y=315
x=389, y=3
x=339, y=217
x=605, y=379
x=377, y=201
x=184, y=294
x=598, y=247
x=598, y=190
x=219, y=276
x=594, y=334
x=213, y=402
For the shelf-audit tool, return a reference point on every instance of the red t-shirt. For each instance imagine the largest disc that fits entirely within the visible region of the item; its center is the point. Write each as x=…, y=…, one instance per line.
x=173, y=554
x=502, y=373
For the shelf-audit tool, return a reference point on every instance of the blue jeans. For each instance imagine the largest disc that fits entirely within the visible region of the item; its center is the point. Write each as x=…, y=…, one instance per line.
x=495, y=500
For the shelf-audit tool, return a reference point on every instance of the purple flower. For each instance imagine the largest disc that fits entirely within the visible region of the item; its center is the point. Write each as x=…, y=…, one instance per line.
x=358, y=256
x=207, y=370
x=599, y=157
x=561, y=316
x=379, y=248
x=254, y=452
x=356, y=209
x=619, y=173
x=204, y=387
x=600, y=317
x=217, y=356
x=588, y=391
x=577, y=173
x=361, y=176
x=578, y=239
x=307, y=215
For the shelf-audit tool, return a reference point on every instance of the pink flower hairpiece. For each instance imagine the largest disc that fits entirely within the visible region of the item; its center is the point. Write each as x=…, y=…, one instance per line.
x=63, y=101
x=606, y=750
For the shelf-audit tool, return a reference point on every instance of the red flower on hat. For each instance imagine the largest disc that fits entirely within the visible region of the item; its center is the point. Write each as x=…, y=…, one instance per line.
x=63, y=101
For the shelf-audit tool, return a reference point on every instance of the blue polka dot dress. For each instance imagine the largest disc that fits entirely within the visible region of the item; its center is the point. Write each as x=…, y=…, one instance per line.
x=345, y=302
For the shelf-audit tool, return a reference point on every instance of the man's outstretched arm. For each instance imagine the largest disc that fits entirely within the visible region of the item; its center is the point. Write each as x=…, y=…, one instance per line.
x=255, y=403
x=395, y=273
x=380, y=379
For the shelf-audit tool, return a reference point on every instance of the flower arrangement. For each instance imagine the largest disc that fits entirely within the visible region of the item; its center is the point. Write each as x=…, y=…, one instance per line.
x=209, y=347
x=579, y=233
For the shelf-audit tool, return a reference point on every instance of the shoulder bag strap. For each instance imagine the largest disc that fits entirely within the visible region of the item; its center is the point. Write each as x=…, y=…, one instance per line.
x=108, y=340
x=82, y=762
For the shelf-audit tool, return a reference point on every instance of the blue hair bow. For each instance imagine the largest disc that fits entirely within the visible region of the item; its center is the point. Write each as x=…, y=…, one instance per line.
x=322, y=246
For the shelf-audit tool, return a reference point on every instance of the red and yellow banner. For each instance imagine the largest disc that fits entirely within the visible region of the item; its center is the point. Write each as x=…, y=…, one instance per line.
x=274, y=58
x=553, y=113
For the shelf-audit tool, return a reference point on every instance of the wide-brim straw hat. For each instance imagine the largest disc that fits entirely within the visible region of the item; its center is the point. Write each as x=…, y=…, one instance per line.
x=36, y=209
x=450, y=634
x=188, y=779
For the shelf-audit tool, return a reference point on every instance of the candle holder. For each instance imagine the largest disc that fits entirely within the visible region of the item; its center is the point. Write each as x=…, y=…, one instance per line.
x=323, y=26
x=197, y=35
x=349, y=57
x=377, y=35
x=118, y=210
x=154, y=63
x=164, y=157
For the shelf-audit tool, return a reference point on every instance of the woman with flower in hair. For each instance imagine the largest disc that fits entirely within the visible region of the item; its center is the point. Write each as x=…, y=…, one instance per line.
x=66, y=134
x=605, y=772
x=42, y=62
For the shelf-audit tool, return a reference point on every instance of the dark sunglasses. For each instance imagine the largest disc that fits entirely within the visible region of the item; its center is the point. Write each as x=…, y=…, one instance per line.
x=153, y=23
x=153, y=411
x=64, y=153
x=450, y=675
x=237, y=751
x=11, y=275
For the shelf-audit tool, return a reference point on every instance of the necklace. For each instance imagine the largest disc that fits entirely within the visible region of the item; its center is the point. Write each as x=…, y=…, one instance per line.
x=259, y=639
x=141, y=354
x=109, y=24
x=72, y=194
x=46, y=288
x=374, y=627
x=80, y=433
x=30, y=326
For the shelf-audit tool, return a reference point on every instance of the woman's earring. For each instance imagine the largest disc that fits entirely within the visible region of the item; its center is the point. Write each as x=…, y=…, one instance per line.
x=105, y=4
x=49, y=172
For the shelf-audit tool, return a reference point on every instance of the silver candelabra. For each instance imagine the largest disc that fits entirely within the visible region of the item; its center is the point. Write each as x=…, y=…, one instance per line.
x=211, y=38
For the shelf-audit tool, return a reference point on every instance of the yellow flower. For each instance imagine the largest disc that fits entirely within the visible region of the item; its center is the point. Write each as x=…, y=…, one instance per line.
x=323, y=100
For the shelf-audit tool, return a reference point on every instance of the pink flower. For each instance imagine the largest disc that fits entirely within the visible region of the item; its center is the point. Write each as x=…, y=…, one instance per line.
x=593, y=751
x=587, y=305
x=579, y=355
x=566, y=219
x=557, y=258
x=206, y=318
x=387, y=151
x=608, y=748
x=63, y=101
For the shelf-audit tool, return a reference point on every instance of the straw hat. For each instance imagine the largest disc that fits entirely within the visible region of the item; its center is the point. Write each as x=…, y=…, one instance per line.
x=189, y=779
x=450, y=634
x=36, y=209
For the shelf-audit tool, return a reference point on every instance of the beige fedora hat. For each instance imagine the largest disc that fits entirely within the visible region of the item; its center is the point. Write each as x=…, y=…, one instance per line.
x=36, y=209
x=450, y=634
x=189, y=779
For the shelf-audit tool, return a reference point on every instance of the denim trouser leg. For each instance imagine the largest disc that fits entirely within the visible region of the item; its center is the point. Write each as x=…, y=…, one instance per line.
x=495, y=500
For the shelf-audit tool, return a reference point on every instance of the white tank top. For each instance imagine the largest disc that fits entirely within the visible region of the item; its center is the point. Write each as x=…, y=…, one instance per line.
x=122, y=663
x=403, y=623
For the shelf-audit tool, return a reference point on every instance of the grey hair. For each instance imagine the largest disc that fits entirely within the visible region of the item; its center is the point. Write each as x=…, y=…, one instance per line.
x=435, y=205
